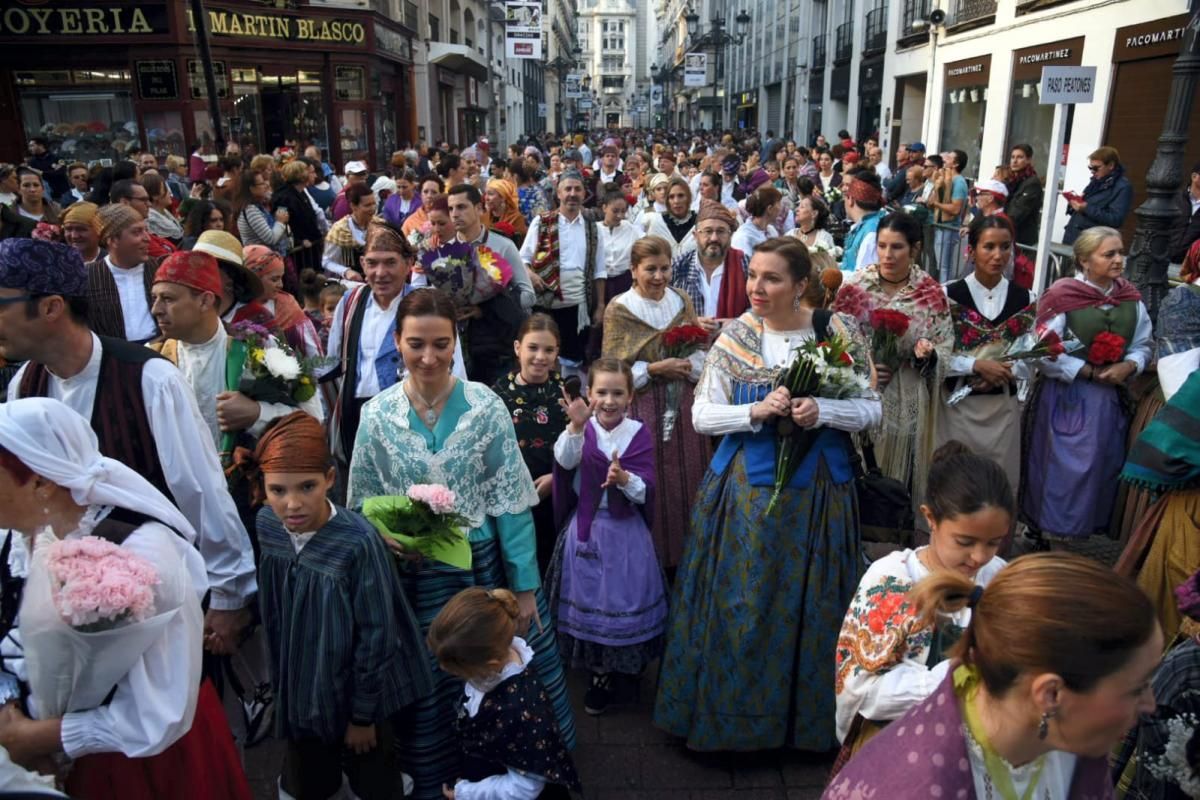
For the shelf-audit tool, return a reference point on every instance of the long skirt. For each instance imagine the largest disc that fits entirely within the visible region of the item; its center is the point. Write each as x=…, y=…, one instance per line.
x=758, y=604
x=1174, y=556
x=1073, y=457
x=609, y=596
x=428, y=749
x=203, y=765
x=1132, y=501
x=679, y=466
x=989, y=424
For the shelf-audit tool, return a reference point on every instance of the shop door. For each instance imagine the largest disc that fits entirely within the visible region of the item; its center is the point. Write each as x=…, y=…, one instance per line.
x=279, y=105
x=774, y=108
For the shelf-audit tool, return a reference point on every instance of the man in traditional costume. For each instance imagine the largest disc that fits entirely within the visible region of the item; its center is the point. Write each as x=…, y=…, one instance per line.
x=143, y=412
x=566, y=266
x=714, y=274
x=119, y=282
x=81, y=229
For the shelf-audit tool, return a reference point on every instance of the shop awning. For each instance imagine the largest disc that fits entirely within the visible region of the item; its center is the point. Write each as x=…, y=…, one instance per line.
x=458, y=58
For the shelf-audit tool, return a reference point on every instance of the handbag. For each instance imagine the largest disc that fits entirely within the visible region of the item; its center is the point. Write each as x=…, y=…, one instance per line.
x=885, y=511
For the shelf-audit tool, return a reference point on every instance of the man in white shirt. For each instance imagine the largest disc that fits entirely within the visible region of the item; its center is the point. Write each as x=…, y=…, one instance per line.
x=119, y=281
x=566, y=266
x=875, y=159
x=143, y=413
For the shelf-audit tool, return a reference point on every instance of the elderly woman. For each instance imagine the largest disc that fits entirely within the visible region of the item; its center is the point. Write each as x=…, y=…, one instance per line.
x=1078, y=414
x=677, y=224
x=769, y=570
x=502, y=208
x=126, y=703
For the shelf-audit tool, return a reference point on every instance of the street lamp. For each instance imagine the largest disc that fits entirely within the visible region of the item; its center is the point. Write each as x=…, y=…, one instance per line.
x=716, y=39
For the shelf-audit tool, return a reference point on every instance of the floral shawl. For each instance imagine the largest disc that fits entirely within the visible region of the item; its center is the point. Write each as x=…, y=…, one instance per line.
x=904, y=450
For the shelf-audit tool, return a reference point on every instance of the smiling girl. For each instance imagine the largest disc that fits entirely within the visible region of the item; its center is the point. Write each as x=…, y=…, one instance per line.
x=887, y=660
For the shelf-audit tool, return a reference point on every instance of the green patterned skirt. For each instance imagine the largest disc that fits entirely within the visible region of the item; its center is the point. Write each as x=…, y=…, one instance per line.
x=758, y=603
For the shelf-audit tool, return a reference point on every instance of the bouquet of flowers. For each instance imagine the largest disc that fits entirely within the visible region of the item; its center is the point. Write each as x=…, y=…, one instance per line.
x=1106, y=348
x=424, y=520
x=1029, y=346
x=493, y=275
x=470, y=274
x=98, y=586
x=1174, y=764
x=679, y=342
x=887, y=329
x=832, y=195
x=422, y=238
x=820, y=369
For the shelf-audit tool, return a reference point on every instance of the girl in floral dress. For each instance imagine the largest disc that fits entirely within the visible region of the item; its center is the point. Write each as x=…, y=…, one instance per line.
x=888, y=660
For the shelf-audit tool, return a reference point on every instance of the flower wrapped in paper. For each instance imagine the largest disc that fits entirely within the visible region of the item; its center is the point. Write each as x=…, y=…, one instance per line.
x=471, y=274
x=424, y=520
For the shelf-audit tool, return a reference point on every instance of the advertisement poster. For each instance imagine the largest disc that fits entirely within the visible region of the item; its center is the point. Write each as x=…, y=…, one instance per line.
x=523, y=29
x=695, y=69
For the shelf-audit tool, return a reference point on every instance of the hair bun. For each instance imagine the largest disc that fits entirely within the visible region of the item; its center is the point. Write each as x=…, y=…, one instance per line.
x=951, y=449
x=507, y=601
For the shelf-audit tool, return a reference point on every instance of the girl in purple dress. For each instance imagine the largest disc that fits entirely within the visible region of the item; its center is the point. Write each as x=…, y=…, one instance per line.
x=610, y=599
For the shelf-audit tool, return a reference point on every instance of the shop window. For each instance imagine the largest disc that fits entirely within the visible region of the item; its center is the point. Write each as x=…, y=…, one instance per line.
x=86, y=114
x=164, y=133
x=349, y=83
x=1030, y=122
x=352, y=129
x=962, y=125
x=245, y=123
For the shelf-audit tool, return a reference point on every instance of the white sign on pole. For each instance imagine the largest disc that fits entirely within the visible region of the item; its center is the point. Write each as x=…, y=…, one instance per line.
x=1067, y=85
x=523, y=29
x=573, y=88
x=585, y=103
x=656, y=95
x=695, y=69
x=542, y=110
x=1061, y=86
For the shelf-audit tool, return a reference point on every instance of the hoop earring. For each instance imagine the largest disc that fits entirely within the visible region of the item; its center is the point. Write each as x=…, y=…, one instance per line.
x=1044, y=724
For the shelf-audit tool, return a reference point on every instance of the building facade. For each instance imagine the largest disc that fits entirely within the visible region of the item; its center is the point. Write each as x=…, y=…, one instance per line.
x=607, y=33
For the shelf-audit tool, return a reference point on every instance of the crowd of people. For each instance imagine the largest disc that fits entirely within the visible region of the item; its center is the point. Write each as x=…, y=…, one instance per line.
x=400, y=448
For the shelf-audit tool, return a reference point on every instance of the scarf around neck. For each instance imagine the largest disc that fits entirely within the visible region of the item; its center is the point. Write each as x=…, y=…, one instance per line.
x=1069, y=294
x=679, y=227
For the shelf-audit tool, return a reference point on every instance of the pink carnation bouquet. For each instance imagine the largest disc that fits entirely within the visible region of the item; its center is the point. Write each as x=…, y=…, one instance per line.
x=97, y=585
x=425, y=521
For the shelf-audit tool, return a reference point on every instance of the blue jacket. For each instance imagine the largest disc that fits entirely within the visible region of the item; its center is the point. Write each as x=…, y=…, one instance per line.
x=1109, y=201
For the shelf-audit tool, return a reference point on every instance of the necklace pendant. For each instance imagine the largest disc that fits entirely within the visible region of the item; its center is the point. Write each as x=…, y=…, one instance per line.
x=430, y=417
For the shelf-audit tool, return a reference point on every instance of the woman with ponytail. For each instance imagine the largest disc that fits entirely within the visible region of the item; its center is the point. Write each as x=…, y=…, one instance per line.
x=1053, y=669
x=889, y=658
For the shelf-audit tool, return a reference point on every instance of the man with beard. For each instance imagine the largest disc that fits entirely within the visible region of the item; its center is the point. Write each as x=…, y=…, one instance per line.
x=714, y=274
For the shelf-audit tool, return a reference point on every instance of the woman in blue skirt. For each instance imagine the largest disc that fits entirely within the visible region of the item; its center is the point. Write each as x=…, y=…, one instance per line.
x=759, y=595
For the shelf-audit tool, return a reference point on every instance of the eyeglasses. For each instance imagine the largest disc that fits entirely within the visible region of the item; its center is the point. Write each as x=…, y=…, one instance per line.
x=711, y=232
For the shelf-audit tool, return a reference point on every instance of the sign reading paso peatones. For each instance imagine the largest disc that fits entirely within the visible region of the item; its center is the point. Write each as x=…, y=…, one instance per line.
x=277, y=26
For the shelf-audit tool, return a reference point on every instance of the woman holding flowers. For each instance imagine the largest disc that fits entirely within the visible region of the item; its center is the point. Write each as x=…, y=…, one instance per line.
x=992, y=318
x=653, y=329
x=1078, y=414
x=287, y=317
x=114, y=675
x=904, y=312
x=759, y=595
x=432, y=428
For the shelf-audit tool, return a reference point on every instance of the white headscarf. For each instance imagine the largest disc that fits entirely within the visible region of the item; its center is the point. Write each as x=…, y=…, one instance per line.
x=57, y=443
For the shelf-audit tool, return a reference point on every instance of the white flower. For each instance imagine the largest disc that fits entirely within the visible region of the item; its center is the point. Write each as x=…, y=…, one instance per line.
x=281, y=364
x=1173, y=764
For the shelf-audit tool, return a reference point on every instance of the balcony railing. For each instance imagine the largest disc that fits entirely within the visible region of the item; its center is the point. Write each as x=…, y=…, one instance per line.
x=818, y=51
x=876, y=38
x=968, y=11
x=915, y=11
x=845, y=42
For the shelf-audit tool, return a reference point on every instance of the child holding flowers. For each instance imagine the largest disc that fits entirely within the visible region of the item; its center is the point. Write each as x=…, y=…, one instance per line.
x=345, y=649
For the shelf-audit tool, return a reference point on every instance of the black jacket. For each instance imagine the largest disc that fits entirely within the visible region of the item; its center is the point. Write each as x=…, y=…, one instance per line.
x=1186, y=229
x=1024, y=208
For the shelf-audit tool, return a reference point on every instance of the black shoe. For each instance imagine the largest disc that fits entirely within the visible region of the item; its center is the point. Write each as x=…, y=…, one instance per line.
x=596, y=698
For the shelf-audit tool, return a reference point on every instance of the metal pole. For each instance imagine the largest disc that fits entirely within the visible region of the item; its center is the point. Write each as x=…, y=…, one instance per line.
x=1050, y=201
x=493, y=110
x=1148, y=255
x=200, y=23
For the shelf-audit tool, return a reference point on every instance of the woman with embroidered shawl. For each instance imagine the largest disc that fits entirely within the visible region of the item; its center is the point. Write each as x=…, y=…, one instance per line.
x=502, y=209
x=287, y=315
x=759, y=596
x=345, y=241
x=431, y=187
x=677, y=222
x=990, y=313
x=1078, y=413
x=433, y=428
x=911, y=402
x=635, y=323
x=1053, y=669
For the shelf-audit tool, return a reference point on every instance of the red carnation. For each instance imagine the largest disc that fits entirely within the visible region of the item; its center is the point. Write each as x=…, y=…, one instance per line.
x=504, y=228
x=1106, y=348
x=1015, y=326
x=1054, y=344
x=683, y=340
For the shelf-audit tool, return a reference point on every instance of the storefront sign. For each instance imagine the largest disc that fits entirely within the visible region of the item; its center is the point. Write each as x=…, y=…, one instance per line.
x=157, y=80
x=695, y=69
x=195, y=69
x=319, y=30
x=523, y=29
x=124, y=20
x=1028, y=63
x=969, y=72
x=1150, y=39
x=393, y=44
x=1067, y=85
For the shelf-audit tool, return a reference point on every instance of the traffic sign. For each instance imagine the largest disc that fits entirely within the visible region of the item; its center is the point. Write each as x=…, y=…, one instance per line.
x=1067, y=85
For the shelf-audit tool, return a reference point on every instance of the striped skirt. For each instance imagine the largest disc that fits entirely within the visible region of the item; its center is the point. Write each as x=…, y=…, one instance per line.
x=428, y=748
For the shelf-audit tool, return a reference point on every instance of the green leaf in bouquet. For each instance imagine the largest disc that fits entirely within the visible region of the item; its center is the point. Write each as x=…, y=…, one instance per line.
x=414, y=526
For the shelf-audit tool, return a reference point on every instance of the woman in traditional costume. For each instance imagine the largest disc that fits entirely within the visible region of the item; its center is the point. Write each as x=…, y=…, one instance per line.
x=759, y=595
x=1078, y=414
x=1053, y=669
x=677, y=223
x=433, y=428
x=431, y=187
x=125, y=702
x=904, y=442
x=990, y=313
x=287, y=315
x=635, y=327
x=502, y=212
x=346, y=239
x=888, y=657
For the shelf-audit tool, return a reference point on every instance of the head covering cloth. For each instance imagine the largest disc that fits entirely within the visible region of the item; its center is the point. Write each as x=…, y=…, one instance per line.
x=385, y=237
x=41, y=267
x=83, y=213
x=863, y=191
x=295, y=443
x=711, y=209
x=115, y=218
x=192, y=269
x=262, y=260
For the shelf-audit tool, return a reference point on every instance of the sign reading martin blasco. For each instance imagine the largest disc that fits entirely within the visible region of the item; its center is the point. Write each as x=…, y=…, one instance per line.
x=325, y=31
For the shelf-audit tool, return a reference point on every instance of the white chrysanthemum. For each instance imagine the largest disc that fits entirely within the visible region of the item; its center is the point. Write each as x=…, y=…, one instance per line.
x=281, y=364
x=1173, y=764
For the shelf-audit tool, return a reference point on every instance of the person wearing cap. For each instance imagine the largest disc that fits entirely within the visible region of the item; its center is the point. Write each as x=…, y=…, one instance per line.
x=356, y=173
x=187, y=296
x=142, y=411
x=119, y=282
x=81, y=229
x=731, y=168
x=864, y=207
x=566, y=266
x=713, y=275
x=483, y=158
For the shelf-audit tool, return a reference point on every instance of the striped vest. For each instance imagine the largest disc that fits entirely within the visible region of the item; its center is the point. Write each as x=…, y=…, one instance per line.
x=105, y=316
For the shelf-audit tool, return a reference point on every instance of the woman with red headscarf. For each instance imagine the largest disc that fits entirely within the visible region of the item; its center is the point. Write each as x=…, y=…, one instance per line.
x=289, y=317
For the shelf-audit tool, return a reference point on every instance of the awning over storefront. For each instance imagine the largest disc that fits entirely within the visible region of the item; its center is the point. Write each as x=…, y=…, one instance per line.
x=458, y=58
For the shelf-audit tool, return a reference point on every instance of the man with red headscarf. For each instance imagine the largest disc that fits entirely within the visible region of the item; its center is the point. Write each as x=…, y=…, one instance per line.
x=864, y=205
